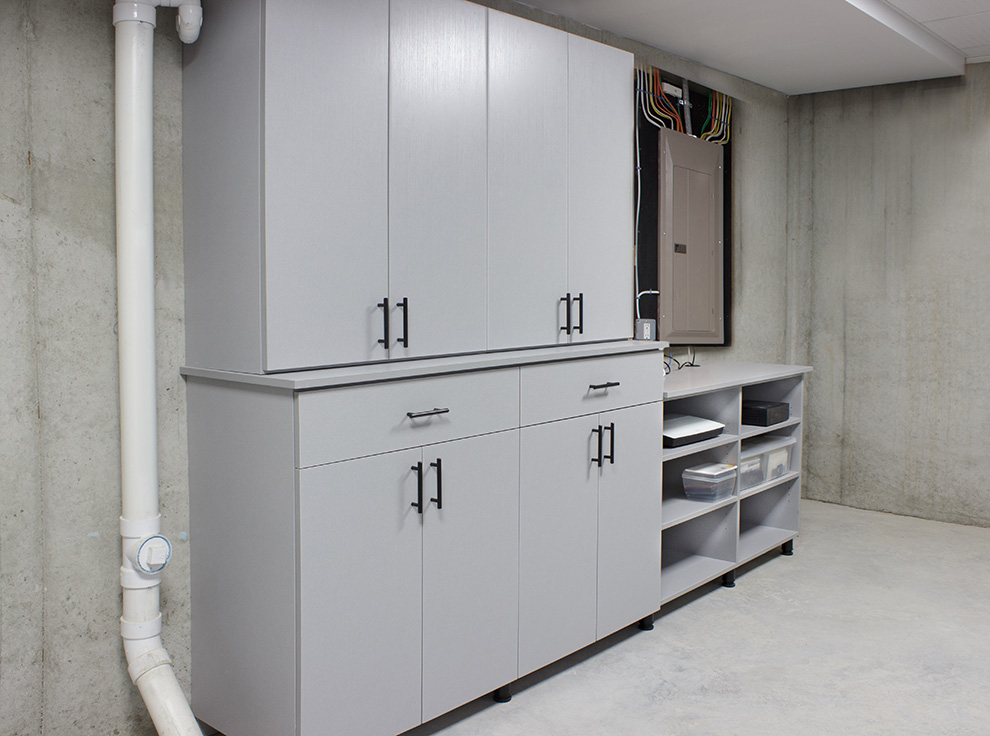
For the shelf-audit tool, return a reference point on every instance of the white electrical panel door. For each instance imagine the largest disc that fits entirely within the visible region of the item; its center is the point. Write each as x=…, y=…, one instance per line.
x=629, y=497
x=437, y=177
x=527, y=182
x=690, y=228
x=325, y=213
x=470, y=569
x=600, y=139
x=360, y=596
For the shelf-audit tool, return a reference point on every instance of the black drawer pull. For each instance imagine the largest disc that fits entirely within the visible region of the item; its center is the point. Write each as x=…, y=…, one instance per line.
x=430, y=413
x=600, y=386
x=404, y=306
x=383, y=305
x=567, y=300
x=611, y=444
x=418, y=504
x=580, y=325
x=439, y=499
x=600, y=431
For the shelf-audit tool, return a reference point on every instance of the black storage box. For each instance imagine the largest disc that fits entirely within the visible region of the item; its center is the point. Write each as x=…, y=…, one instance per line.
x=764, y=413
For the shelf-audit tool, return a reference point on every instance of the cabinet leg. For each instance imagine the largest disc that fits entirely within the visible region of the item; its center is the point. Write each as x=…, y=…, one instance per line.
x=729, y=579
x=646, y=624
x=503, y=694
x=787, y=548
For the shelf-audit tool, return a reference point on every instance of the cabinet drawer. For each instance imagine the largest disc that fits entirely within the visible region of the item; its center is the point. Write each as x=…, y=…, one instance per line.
x=337, y=424
x=559, y=390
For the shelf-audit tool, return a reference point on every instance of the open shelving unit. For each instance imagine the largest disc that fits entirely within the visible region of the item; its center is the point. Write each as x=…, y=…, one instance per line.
x=702, y=541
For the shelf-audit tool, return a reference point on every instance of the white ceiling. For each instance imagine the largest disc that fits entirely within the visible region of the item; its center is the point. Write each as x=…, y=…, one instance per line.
x=799, y=46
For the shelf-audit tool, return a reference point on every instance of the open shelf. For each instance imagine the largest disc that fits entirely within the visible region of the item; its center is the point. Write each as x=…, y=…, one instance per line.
x=785, y=478
x=751, y=430
x=757, y=539
x=681, y=572
x=672, y=453
x=677, y=510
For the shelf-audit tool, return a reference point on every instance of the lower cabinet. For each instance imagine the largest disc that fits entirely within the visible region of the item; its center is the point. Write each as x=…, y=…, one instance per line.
x=407, y=612
x=589, y=521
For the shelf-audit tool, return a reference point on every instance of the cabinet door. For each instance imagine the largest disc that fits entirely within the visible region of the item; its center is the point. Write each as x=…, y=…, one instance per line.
x=437, y=175
x=558, y=526
x=629, y=499
x=470, y=570
x=360, y=596
x=527, y=182
x=600, y=187
x=326, y=172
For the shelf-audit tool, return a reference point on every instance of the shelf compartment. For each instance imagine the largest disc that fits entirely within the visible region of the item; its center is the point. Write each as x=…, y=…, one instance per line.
x=677, y=510
x=786, y=478
x=768, y=518
x=672, y=453
x=720, y=406
x=698, y=550
x=787, y=390
x=746, y=431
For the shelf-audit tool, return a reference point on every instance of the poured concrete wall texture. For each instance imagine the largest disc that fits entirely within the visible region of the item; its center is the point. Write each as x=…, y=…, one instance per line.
x=888, y=212
x=883, y=304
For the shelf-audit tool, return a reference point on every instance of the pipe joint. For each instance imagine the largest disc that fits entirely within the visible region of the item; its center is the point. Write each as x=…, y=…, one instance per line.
x=134, y=630
x=146, y=661
x=143, y=12
x=188, y=21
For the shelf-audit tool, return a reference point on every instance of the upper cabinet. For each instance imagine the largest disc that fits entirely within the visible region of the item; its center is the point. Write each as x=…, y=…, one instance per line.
x=285, y=175
x=527, y=182
x=400, y=179
x=437, y=194
x=600, y=139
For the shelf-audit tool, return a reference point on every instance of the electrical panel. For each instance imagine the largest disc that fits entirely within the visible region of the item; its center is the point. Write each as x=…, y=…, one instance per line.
x=690, y=267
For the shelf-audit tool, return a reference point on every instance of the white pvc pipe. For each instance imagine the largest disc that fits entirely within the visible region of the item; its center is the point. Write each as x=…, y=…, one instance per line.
x=148, y=663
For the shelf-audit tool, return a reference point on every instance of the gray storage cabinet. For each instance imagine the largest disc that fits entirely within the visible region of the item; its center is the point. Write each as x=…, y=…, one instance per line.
x=400, y=179
x=371, y=542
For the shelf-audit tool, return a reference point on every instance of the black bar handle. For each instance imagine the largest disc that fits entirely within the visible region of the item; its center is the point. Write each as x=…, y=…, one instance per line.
x=599, y=431
x=404, y=306
x=429, y=413
x=418, y=504
x=383, y=305
x=611, y=444
x=567, y=299
x=580, y=325
x=439, y=499
x=601, y=386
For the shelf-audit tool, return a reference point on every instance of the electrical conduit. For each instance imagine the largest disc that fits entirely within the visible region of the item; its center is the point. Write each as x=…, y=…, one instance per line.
x=145, y=552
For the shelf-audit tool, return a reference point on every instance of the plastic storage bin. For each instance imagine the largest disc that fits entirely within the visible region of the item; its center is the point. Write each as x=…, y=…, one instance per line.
x=710, y=482
x=773, y=454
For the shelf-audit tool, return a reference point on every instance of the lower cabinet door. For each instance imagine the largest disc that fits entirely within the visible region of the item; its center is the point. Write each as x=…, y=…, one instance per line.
x=558, y=506
x=629, y=498
x=360, y=597
x=470, y=569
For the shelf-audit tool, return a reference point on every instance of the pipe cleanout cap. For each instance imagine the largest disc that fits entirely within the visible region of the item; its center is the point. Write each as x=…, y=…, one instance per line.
x=152, y=554
x=142, y=12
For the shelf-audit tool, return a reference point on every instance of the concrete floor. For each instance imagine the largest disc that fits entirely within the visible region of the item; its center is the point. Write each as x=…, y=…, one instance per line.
x=877, y=625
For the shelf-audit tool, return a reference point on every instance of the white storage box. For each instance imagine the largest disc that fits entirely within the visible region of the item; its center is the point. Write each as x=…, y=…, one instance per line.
x=773, y=454
x=710, y=482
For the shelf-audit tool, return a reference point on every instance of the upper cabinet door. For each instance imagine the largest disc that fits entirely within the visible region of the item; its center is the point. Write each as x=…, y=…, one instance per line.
x=437, y=176
x=600, y=140
x=325, y=172
x=527, y=182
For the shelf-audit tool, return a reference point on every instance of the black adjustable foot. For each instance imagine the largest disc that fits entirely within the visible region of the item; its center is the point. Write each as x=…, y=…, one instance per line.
x=729, y=579
x=646, y=624
x=503, y=694
x=787, y=548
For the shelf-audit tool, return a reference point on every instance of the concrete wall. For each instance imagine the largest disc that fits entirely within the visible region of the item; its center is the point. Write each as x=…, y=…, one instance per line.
x=889, y=227
x=61, y=665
